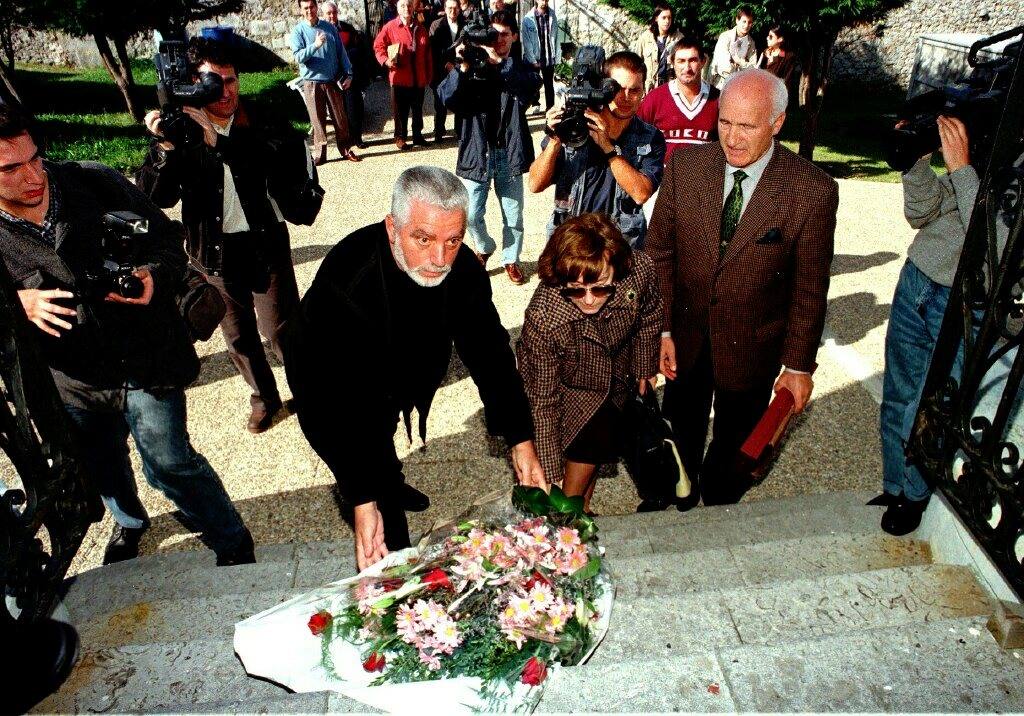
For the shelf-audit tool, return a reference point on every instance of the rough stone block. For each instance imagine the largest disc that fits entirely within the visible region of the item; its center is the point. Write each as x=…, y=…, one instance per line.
x=663, y=627
x=942, y=666
x=674, y=574
x=157, y=677
x=316, y=703
x=313, y=572
x=1007, y=625
x=197, y=619
x=809, y=608
x=686, y=683
x=281, y=27
x=260, y=28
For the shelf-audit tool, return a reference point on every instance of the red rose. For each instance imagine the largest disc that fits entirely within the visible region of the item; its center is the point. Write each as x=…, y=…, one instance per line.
x=375, y=662
x=534, y=672
x=390, y=585
x=318, y=622
x=437, y=579
x=535, y=579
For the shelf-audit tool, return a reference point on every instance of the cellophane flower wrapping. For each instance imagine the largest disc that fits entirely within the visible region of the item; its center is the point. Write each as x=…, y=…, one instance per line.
x=479, y=615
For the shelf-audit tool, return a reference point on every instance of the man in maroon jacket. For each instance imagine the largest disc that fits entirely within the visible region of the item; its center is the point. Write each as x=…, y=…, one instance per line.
x=409, y=70
x=742, y=241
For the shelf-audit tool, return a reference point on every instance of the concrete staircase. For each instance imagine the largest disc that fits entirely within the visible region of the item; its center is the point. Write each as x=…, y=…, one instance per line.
x=799, y=604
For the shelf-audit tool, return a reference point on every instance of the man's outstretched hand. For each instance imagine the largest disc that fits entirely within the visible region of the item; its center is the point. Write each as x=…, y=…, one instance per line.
x=527, y=466
x=799, y=384
x=369, y=529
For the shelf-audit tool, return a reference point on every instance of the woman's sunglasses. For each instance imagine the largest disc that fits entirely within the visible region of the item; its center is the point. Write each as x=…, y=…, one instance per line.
x=599, y=291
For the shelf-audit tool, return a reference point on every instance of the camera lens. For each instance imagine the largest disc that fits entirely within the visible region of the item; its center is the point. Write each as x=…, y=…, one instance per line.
x=129, y=286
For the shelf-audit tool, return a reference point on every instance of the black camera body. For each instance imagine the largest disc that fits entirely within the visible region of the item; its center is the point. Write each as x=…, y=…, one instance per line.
x=589, y=89
x=175, y=89
x=475, y=38
x=977, y=100
x=115, y=270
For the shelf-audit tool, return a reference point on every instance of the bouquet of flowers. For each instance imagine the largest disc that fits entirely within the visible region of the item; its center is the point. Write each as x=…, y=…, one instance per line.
x=489, y=603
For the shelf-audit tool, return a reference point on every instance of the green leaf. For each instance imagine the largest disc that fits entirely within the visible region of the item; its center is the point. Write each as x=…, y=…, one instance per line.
x=382, y=604
x=560, y=502
x=531, y=499
x=589, y=571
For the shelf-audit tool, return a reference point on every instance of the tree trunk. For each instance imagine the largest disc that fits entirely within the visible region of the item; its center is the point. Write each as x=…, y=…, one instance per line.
x=813, y=82
x=121, y=72
x=7, y=91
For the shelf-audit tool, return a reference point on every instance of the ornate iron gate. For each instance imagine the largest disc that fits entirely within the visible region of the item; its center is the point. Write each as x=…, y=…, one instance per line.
x=36, y=436
x=968, y=435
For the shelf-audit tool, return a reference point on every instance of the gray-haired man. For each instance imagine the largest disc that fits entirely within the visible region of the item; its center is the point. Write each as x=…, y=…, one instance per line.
x=373, y=340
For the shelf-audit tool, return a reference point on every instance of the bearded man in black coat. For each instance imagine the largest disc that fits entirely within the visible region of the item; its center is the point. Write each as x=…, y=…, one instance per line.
x=373, y=339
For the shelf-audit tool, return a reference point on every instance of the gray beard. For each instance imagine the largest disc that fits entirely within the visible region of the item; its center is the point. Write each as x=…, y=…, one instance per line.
x=415, y=274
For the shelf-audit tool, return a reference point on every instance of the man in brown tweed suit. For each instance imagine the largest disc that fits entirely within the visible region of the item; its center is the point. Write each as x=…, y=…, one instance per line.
x=742, y=241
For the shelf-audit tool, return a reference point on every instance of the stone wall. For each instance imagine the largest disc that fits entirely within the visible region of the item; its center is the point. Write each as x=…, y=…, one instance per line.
x=884, y=51
x=874, y=52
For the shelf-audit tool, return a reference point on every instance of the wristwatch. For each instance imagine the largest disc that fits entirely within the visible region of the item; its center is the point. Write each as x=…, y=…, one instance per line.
x=615, y=151
x=549, y=130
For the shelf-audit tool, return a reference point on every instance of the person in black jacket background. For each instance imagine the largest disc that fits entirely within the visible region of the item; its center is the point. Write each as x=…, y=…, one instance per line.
x=364, y=68
x=373, y=339
x=494, y=138
x=443, y=33
x=120, y=364
x=230, y=187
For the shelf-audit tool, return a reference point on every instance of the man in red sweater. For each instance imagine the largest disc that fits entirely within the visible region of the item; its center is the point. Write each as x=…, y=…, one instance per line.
x=409, y=70
x=686, y=109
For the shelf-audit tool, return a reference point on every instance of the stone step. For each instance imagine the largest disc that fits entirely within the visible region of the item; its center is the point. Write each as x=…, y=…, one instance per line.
x=646, y=625
x=942, y=666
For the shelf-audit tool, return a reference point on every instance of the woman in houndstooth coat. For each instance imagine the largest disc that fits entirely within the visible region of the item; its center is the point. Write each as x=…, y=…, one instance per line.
x=591, y=336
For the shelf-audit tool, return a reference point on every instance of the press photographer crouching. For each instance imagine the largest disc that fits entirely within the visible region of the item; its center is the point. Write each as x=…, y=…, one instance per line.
x=237, y=180
x=489, y=92
x=119, y=350
x=599, y=155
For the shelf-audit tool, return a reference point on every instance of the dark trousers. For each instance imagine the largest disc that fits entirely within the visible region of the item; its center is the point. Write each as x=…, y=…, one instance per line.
x=688, y=399
x=548, y=75
x=440, y=116
x=404, y=99
x=260, y=293
x=356, y=111
x=317, y=96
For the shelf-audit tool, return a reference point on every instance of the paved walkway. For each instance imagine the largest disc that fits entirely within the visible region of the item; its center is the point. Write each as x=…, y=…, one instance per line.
x=284, y=492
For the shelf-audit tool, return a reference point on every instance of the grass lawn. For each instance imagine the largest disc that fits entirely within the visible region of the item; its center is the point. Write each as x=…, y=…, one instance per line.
x=84, y=118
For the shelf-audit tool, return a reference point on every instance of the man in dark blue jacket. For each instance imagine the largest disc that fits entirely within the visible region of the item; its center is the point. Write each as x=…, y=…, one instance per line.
x=494, y=139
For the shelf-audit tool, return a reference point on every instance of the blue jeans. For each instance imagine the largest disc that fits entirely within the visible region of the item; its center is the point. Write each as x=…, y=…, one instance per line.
x=169, y=462
x=918, y=306
x=509, y=189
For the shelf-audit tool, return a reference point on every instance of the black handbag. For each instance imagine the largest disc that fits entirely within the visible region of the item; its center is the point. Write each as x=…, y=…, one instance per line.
x=650, y=452
x=201, y=305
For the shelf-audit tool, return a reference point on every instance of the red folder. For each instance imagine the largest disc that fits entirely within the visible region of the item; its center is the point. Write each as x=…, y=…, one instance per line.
x=763, y=444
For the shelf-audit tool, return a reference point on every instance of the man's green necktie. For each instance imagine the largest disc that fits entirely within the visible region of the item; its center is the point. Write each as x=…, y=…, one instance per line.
x=731, y=211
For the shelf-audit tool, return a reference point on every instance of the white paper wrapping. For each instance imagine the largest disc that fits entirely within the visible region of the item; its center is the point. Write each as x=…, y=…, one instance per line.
x=277, y=645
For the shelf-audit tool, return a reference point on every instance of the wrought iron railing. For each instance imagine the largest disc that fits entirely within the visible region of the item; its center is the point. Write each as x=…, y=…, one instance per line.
x=968, y=435
x=37, y=437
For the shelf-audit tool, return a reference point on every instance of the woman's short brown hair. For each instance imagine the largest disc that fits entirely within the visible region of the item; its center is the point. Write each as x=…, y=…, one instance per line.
x=580, y=248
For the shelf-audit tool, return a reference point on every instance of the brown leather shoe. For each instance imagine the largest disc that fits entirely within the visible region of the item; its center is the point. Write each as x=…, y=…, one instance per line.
x=482, y=258
x=351, y=156
x=400, y=143
x=262, y=417
x=515, y=274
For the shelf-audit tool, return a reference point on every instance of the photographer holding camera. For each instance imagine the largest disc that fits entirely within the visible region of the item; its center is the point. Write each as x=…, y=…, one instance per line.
x=118, y=349
x=940, y=209
x=489, y=92
x=619, y=165
x=237, y=185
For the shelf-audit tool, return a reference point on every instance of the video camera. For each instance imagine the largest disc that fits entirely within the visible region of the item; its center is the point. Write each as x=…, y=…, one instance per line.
x=475, y=38
x=175, y=89
x=977, y=100
x=115, y=272
x=589, y=89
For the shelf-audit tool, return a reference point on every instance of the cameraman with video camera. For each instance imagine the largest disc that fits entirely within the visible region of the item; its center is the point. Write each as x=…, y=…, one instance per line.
x=237, y=182
x=97, y=266
x=939, y=207
x=489, y=91
x=608, y=160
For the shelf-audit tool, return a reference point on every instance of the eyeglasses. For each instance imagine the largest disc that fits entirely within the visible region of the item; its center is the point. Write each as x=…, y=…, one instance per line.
x=599, y=291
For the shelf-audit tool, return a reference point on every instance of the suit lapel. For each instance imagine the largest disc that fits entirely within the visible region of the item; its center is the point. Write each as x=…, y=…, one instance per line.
x=710, y=219
x=761, y=208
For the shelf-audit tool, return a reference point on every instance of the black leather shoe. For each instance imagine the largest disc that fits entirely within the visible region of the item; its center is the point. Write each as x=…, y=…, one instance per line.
x=242, y=554
x=413, y=500
x=123, y=544
x=653, y=504
x=419, y=142
x=45, y=652
x=903, y=516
